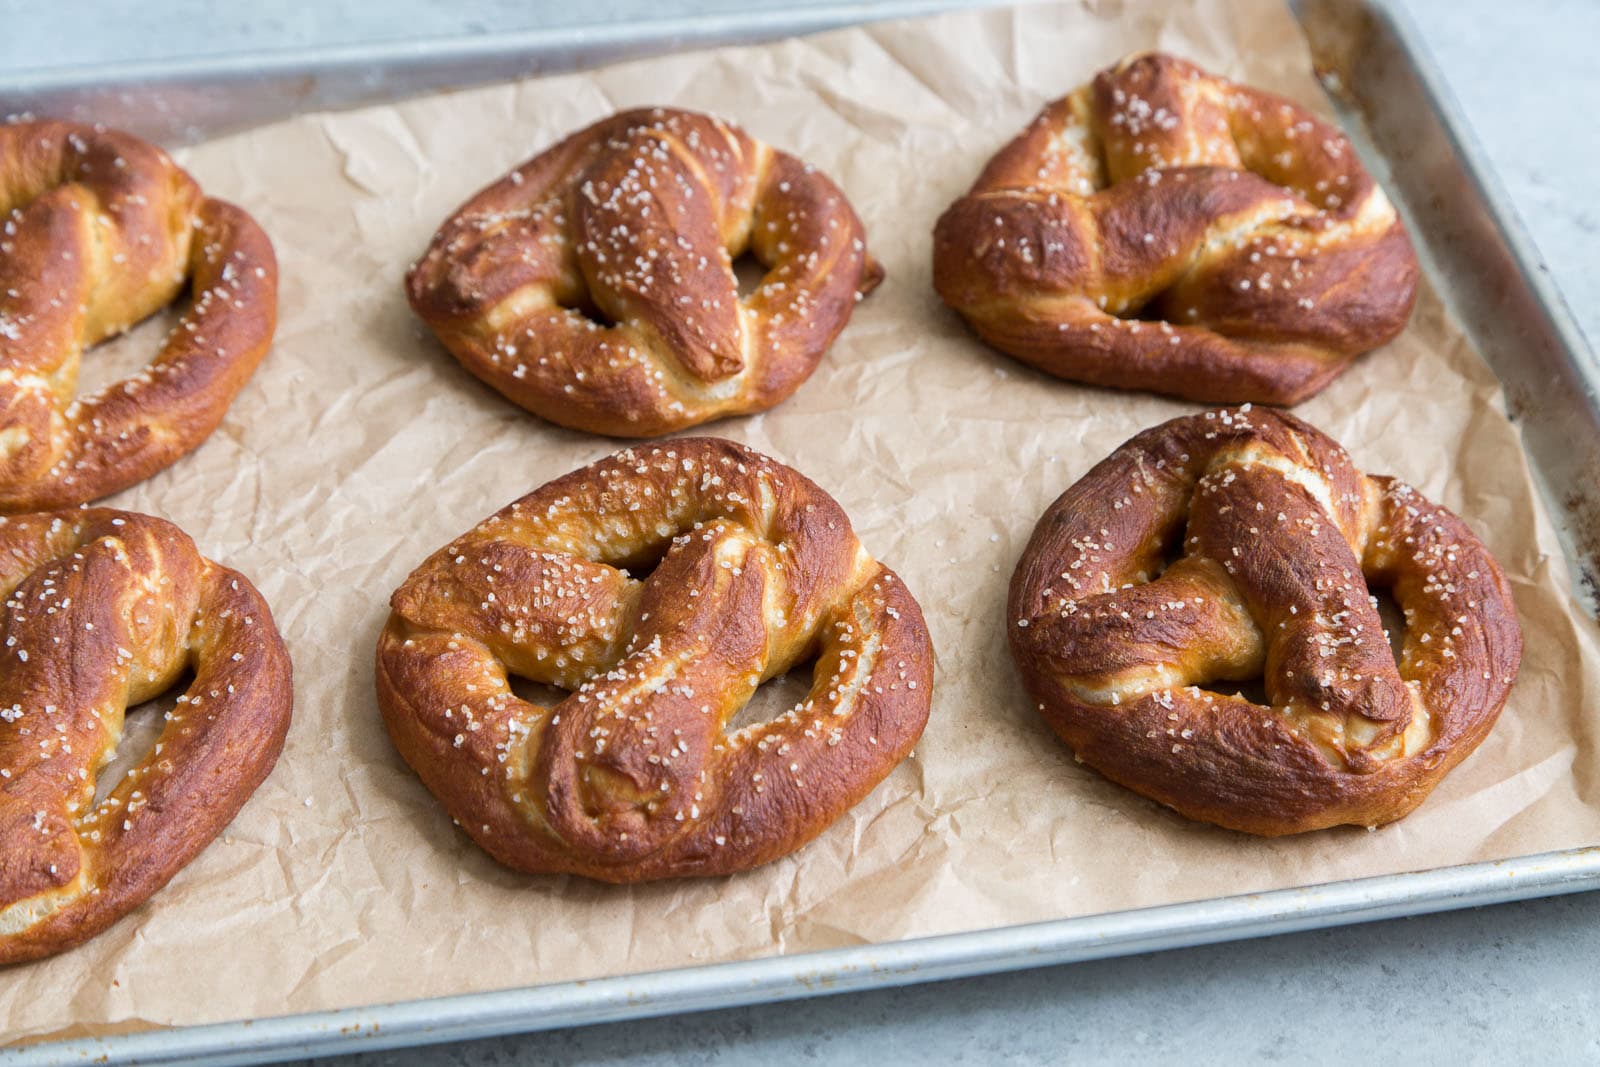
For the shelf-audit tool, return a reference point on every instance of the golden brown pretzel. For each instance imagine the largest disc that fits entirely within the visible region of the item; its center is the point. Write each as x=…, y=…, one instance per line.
x=636, y=221
x=1280, y=538
x=100, y=231
x=633, y=776
x=103, y=610
x=1168, y=230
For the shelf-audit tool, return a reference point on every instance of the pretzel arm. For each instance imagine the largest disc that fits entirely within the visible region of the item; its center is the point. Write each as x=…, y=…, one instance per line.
x=1210, y=755
x=60, y=720
x=219, y=743
x=626, y=509
x=468, y=734
x=1080, y=548
x=1297, y=150
x=1080, y=342
x=622, y=771
x=28, y=540
x=134, y=208
x=1117, y=249
x=810, y=765
x=649, y=242
x=1153, y=112
x=814, y=248
x=70, y=630
x=547, y=616
x=1301, y=281
x=501, y=601
x=43, y=297
x=1461, y=633
x=503, y=287
x=506, y=249
x=127, y=430
x=1327, y=665
x=1058, y=151
x=1188, y=627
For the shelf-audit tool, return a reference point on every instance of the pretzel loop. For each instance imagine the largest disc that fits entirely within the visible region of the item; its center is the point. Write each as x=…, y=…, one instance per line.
x=101, y=231
x=1280, y=537
x=635, y=774
x=103, y=610
x=594, y=285
x=1165, y=229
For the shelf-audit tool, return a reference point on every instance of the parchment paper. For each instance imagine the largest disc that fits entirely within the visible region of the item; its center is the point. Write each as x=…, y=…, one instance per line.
x=360, y=446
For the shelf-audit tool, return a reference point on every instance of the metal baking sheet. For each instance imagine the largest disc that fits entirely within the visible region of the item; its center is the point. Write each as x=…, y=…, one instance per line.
x=1409, y=129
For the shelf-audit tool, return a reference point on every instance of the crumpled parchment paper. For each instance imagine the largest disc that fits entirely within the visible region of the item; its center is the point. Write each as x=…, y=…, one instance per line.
x=360, y=447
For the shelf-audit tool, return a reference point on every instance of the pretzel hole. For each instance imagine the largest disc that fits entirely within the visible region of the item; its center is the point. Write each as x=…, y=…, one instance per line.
x=1171, y=551
x=1394, y=619
x=593, y=312
x=537, y=693
x=1252, y=689
x=127, y=354
x=642, y=568
x=748, y=271
x=141, y=727
x=1153, y=310
x=774, y=697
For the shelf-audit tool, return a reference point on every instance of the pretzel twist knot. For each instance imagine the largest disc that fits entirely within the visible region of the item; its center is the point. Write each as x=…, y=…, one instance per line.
x=637, y=774
x=103, y=610
x=102, y=230
x=1242, y=225
x=1280, y=538
x=594, y=284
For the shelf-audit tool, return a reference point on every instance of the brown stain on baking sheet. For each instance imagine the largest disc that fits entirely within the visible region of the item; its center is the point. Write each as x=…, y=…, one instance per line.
x=90, y=1031
x=1582, y=504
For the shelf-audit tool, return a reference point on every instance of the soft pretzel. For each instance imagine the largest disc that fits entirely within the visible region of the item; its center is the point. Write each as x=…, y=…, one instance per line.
x=103, y=610
x=1165, y=229
x=1278, y=539
x=636, y=774
x=100, y=231
x=594, y=285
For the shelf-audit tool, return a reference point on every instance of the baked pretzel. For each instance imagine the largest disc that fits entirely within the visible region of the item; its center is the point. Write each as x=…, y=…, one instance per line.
x=1279, y=538
x=594, y=284
x=636, y=775
x=100, y=231
x=1165, y=229
x=103, y=610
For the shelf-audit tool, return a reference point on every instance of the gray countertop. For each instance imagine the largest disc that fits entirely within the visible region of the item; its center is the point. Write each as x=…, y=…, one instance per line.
x=1473, y=986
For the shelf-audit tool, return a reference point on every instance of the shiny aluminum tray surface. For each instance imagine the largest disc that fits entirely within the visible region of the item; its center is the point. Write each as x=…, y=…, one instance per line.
x=1410, y=131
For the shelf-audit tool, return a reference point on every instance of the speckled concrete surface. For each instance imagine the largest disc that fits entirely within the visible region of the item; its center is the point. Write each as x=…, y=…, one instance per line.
x=1515, y=982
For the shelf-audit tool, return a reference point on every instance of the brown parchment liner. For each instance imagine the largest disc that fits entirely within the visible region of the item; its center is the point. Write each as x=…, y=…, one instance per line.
x=360, y=447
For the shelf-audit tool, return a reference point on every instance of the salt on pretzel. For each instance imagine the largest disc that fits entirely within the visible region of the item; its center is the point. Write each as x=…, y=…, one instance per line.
x=1281, y=537
x=594, y=284
x=100, y=231
x=635, y=774
x=101, y=610
x=1165, y=229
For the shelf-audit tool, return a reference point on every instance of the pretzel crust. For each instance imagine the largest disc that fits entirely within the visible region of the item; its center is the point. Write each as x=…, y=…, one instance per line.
x=1280, y=537
x=1165, y=229
x=633, y=776
x=637, y=219
x=101, y=231
x=102, y=610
